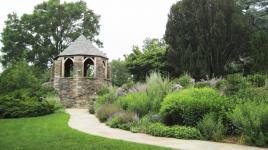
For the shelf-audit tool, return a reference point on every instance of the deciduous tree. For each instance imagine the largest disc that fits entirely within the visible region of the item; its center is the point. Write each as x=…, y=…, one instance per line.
x=40, y=36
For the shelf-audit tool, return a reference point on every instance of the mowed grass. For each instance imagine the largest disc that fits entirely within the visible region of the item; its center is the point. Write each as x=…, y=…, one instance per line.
x=51, y=132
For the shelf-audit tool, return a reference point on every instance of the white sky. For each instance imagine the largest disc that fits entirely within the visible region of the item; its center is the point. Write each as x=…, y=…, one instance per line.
x=124, y=23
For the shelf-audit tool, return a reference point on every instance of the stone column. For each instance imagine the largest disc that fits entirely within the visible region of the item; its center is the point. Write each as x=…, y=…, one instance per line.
x=57, y=73
x=78, y=66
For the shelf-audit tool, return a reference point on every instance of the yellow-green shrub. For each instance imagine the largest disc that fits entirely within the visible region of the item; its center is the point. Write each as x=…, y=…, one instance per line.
x=188, y=106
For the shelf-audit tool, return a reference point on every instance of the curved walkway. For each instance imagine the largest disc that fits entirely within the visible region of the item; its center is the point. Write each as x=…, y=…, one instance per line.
x=81, y=120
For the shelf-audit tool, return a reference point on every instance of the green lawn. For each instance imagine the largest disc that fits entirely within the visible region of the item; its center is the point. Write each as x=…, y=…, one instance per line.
x=51, y=132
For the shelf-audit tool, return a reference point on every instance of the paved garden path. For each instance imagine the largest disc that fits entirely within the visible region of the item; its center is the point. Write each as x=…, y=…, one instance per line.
x=81, y=120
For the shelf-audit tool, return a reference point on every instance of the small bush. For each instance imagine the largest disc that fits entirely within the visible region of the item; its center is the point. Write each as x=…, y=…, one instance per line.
x=135, y=102
x=123, y=120
x=24, y=103
x=141, y=125
x=187, y=107
x=91, y=109
x=54, y=100
x=180, y=132
x=107, y=111
x=185, y=81
x=257, y=80
x=104, y=89
x=235, y=82
x=108, y=97
x=211, y=127
x=251, y=119
x=157, y=89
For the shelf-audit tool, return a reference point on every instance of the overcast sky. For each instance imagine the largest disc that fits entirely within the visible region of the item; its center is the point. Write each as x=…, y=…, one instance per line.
x=124, y=23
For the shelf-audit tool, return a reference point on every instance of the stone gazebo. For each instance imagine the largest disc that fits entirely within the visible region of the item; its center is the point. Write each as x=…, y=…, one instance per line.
x=78, y=72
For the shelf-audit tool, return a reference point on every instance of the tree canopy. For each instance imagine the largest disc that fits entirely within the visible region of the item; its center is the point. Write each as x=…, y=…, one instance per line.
x=40, y=36
x=151, y=57
x=205, y=36
x=16, y=76
x=120, y=73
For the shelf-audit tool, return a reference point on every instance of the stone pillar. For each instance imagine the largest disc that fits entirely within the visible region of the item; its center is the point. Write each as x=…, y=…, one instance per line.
x=57, y=73
x=100, y=68
x=78, y=66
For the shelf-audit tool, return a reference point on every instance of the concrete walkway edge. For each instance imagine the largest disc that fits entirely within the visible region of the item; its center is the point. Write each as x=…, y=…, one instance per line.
x=81, y=120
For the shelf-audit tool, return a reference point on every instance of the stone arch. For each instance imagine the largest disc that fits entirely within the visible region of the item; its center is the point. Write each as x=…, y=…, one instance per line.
x=89, y=67
x=68, y=67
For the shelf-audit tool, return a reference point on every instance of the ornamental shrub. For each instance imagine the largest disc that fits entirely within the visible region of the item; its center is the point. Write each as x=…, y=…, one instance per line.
x=179, y=132
x=251, y=119
x=107, y=96
x=107, y=111
x=185, y=81
x=104, y=89
x=157, y=88
x=188, y=106
x=211, y=127
x=235, y=82
x=135, y=102
x=123, y=120
x=24, y=103
x=91, y=109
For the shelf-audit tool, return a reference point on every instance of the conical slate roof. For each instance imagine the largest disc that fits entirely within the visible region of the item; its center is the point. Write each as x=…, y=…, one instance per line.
x=82, y=46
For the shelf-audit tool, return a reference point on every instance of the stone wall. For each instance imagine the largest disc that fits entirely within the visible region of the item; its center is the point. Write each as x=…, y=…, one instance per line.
x=78, y=92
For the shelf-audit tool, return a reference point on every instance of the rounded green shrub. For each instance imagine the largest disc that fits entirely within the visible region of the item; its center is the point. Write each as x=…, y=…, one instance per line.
x=91, y=109
x=188, y=106
x=185, y=81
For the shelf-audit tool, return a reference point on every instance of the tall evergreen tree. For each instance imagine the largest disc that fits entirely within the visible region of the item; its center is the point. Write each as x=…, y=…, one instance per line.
x=205, y=36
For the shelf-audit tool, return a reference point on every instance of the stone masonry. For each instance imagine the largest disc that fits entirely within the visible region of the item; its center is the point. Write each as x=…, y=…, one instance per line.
x=78, y=90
